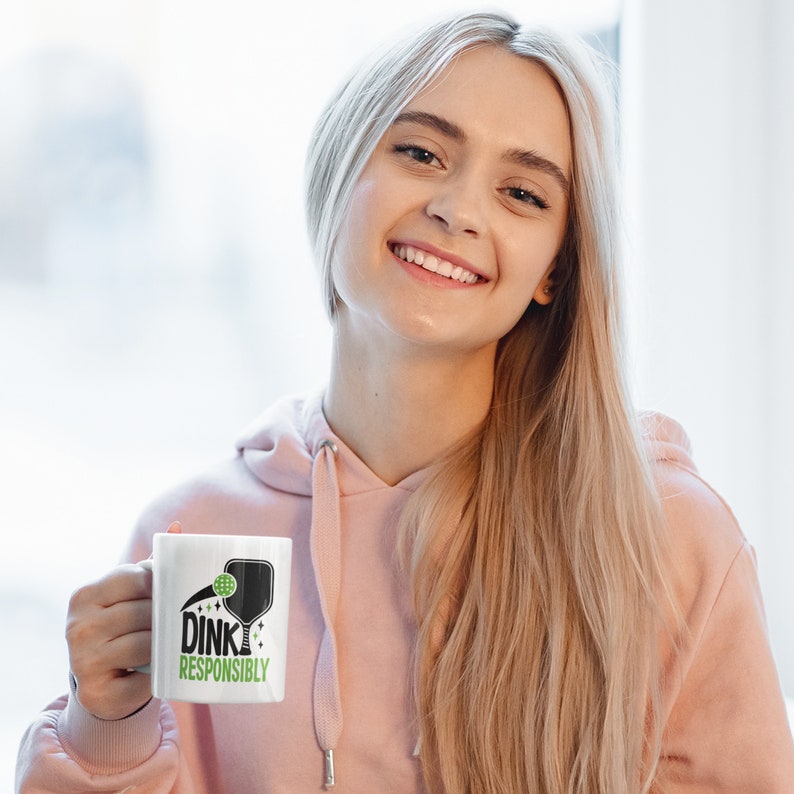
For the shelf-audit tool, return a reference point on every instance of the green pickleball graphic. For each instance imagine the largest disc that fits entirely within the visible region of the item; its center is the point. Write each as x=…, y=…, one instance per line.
x=224, y=585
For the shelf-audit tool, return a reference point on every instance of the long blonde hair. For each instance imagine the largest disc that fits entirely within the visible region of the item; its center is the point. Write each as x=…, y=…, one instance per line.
x=534, y=547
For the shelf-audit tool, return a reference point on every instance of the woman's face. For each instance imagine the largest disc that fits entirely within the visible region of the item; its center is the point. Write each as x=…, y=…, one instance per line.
x=457, y=218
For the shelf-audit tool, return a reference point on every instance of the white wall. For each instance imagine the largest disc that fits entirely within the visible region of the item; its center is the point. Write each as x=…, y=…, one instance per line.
x=709, y=125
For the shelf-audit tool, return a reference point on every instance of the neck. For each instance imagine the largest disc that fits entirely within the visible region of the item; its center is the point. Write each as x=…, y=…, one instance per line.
x=400, y=410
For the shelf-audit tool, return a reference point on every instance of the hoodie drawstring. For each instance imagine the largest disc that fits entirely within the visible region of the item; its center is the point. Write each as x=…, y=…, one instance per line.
x=327, y=562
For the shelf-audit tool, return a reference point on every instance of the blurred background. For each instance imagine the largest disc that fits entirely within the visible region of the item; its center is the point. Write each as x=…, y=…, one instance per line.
x=156, y=289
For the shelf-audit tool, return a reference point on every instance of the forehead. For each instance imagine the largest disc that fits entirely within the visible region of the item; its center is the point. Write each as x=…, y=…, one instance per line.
x=498, y=97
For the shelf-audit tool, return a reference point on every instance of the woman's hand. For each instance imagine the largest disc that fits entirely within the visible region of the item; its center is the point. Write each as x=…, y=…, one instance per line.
x=108, y=630
x=109, y=633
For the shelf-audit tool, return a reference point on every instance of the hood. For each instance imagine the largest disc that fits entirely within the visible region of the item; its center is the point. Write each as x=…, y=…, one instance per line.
x=280, y=446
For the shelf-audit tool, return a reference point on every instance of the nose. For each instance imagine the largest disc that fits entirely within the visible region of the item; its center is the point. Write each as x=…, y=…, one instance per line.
x=457, y=204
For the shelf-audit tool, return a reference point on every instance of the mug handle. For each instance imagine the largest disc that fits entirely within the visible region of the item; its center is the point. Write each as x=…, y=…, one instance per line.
x=147, y=565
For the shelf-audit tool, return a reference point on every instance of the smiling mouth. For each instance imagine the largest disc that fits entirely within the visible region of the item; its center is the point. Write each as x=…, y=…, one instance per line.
x=434, y=264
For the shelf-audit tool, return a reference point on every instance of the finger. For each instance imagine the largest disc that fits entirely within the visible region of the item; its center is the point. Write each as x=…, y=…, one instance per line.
x=174, y=528
x=97, y=644
x=90, y=629
x=91, y=625
x=108, y=657
x=126, y=617
x=129, y=651
x=124, y=583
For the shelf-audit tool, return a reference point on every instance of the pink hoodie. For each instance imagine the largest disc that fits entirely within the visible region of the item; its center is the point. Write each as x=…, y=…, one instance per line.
x=352, y=633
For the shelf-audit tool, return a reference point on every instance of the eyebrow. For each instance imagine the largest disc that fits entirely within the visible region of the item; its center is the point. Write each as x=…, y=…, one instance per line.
x=525, y=158
x=431, y=120
x=537, y=162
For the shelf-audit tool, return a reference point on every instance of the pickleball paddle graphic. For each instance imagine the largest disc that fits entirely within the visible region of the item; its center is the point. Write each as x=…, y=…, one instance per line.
x=246, y=587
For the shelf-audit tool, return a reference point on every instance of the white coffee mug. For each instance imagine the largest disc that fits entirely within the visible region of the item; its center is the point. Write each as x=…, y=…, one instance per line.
x=220, y=608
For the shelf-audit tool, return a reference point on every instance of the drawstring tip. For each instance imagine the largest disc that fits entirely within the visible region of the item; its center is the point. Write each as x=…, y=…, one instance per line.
x=330, y=778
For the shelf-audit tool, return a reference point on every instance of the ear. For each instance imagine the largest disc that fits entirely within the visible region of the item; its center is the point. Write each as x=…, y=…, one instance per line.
x=544, y=294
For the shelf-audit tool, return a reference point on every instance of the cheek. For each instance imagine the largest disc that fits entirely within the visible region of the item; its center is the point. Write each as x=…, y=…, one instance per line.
x=531, y=253
x=360, y=219
x=528, y=262
x=356, y=241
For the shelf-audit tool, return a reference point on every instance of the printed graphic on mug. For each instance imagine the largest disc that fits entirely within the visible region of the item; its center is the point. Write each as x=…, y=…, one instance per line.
x=220, y=618
x=211, y=644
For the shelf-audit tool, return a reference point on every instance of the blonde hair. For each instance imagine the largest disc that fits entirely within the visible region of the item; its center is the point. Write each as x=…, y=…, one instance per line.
x=534, y=547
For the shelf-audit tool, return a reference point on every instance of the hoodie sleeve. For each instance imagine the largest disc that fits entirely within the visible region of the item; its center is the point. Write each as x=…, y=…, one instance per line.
x=67, y=750
x=727, y=729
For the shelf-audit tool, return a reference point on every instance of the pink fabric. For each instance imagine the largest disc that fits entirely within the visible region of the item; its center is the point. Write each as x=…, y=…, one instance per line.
x=327, y=562
x=726, y=728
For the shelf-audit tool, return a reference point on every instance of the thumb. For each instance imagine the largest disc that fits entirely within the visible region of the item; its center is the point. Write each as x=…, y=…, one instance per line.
x=174, y=528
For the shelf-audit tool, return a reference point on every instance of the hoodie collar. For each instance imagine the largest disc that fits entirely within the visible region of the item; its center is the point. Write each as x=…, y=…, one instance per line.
x=281, y=445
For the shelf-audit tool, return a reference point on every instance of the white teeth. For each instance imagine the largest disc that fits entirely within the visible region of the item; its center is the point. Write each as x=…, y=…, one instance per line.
x=435, y=265
x=430, y=263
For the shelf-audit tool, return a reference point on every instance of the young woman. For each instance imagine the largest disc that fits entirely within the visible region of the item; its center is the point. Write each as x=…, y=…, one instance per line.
x=503, y=581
